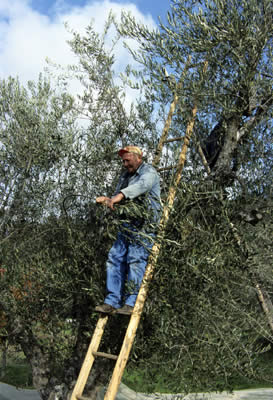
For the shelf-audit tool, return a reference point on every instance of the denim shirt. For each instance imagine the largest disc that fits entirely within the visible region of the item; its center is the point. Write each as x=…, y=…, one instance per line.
x=144, y=181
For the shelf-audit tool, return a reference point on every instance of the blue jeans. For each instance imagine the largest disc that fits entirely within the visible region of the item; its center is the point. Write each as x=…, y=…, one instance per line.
x=126, y=265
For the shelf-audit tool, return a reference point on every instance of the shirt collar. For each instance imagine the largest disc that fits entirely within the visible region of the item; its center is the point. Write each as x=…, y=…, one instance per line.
x=139, y=168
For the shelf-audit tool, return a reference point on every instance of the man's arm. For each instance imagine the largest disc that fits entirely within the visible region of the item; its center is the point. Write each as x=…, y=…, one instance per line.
x=143, y=185
x=109, y=202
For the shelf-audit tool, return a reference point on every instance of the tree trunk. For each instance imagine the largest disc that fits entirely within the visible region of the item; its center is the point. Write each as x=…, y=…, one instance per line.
x=223, y=164
x=4, y=348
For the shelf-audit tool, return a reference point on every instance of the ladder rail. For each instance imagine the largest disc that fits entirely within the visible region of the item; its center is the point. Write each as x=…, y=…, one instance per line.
x=123, y=356
x=143, y=291
x=89, y=358
x=142, y=294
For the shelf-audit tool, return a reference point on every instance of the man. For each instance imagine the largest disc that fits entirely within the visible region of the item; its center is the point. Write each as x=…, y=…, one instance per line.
x=128, y=256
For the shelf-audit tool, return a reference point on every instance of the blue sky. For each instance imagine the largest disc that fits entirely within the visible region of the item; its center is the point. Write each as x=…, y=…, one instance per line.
x=32, y=31
x=154, y=7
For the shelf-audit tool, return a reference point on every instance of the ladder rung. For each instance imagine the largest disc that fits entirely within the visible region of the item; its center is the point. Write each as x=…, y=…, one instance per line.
x=105, y=355
x=176, y=139
x=83, y=398
x=166, y=168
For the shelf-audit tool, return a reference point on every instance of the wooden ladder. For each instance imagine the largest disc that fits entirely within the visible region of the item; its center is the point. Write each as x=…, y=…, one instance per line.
x=123, y=356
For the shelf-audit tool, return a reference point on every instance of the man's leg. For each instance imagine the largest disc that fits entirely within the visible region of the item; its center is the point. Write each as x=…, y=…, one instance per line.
x=116, y=272
x=137, y=258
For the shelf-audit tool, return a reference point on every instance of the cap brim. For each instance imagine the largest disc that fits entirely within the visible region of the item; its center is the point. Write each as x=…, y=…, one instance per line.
x=122, y=151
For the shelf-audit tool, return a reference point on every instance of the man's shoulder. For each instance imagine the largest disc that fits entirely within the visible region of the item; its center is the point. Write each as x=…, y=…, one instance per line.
x=145, y=167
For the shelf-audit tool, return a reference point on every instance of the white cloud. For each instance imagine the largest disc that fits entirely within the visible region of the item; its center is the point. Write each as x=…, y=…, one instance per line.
x=27, y=38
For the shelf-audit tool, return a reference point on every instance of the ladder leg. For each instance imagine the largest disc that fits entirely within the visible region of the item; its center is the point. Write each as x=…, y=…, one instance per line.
x=89, y=358
x=123, y=357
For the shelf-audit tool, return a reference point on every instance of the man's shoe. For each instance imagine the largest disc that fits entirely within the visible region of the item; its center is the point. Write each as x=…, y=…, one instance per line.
x=126, y=310
x=106, y=309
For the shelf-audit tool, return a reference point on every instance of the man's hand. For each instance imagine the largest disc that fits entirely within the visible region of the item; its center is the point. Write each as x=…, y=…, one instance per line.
x=102, y=199
x=110, y=202
x=106, y=201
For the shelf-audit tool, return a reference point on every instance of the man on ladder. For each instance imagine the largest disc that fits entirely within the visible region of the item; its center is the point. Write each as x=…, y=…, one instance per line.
x=129, y=254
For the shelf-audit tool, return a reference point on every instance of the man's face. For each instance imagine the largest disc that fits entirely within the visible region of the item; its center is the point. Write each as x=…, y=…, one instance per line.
x=131, y=162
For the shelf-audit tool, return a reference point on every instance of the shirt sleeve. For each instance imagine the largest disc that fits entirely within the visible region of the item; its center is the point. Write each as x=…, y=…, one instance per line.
x=143, y=185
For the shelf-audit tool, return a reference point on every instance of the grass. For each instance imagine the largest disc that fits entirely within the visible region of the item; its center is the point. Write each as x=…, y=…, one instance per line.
x=18, y=373
x=265, y=364
x=157, y=380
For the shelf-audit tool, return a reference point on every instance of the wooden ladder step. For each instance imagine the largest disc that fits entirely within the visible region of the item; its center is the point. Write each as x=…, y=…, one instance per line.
x=176, y=139
x=105, y=355
x=166, y=168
